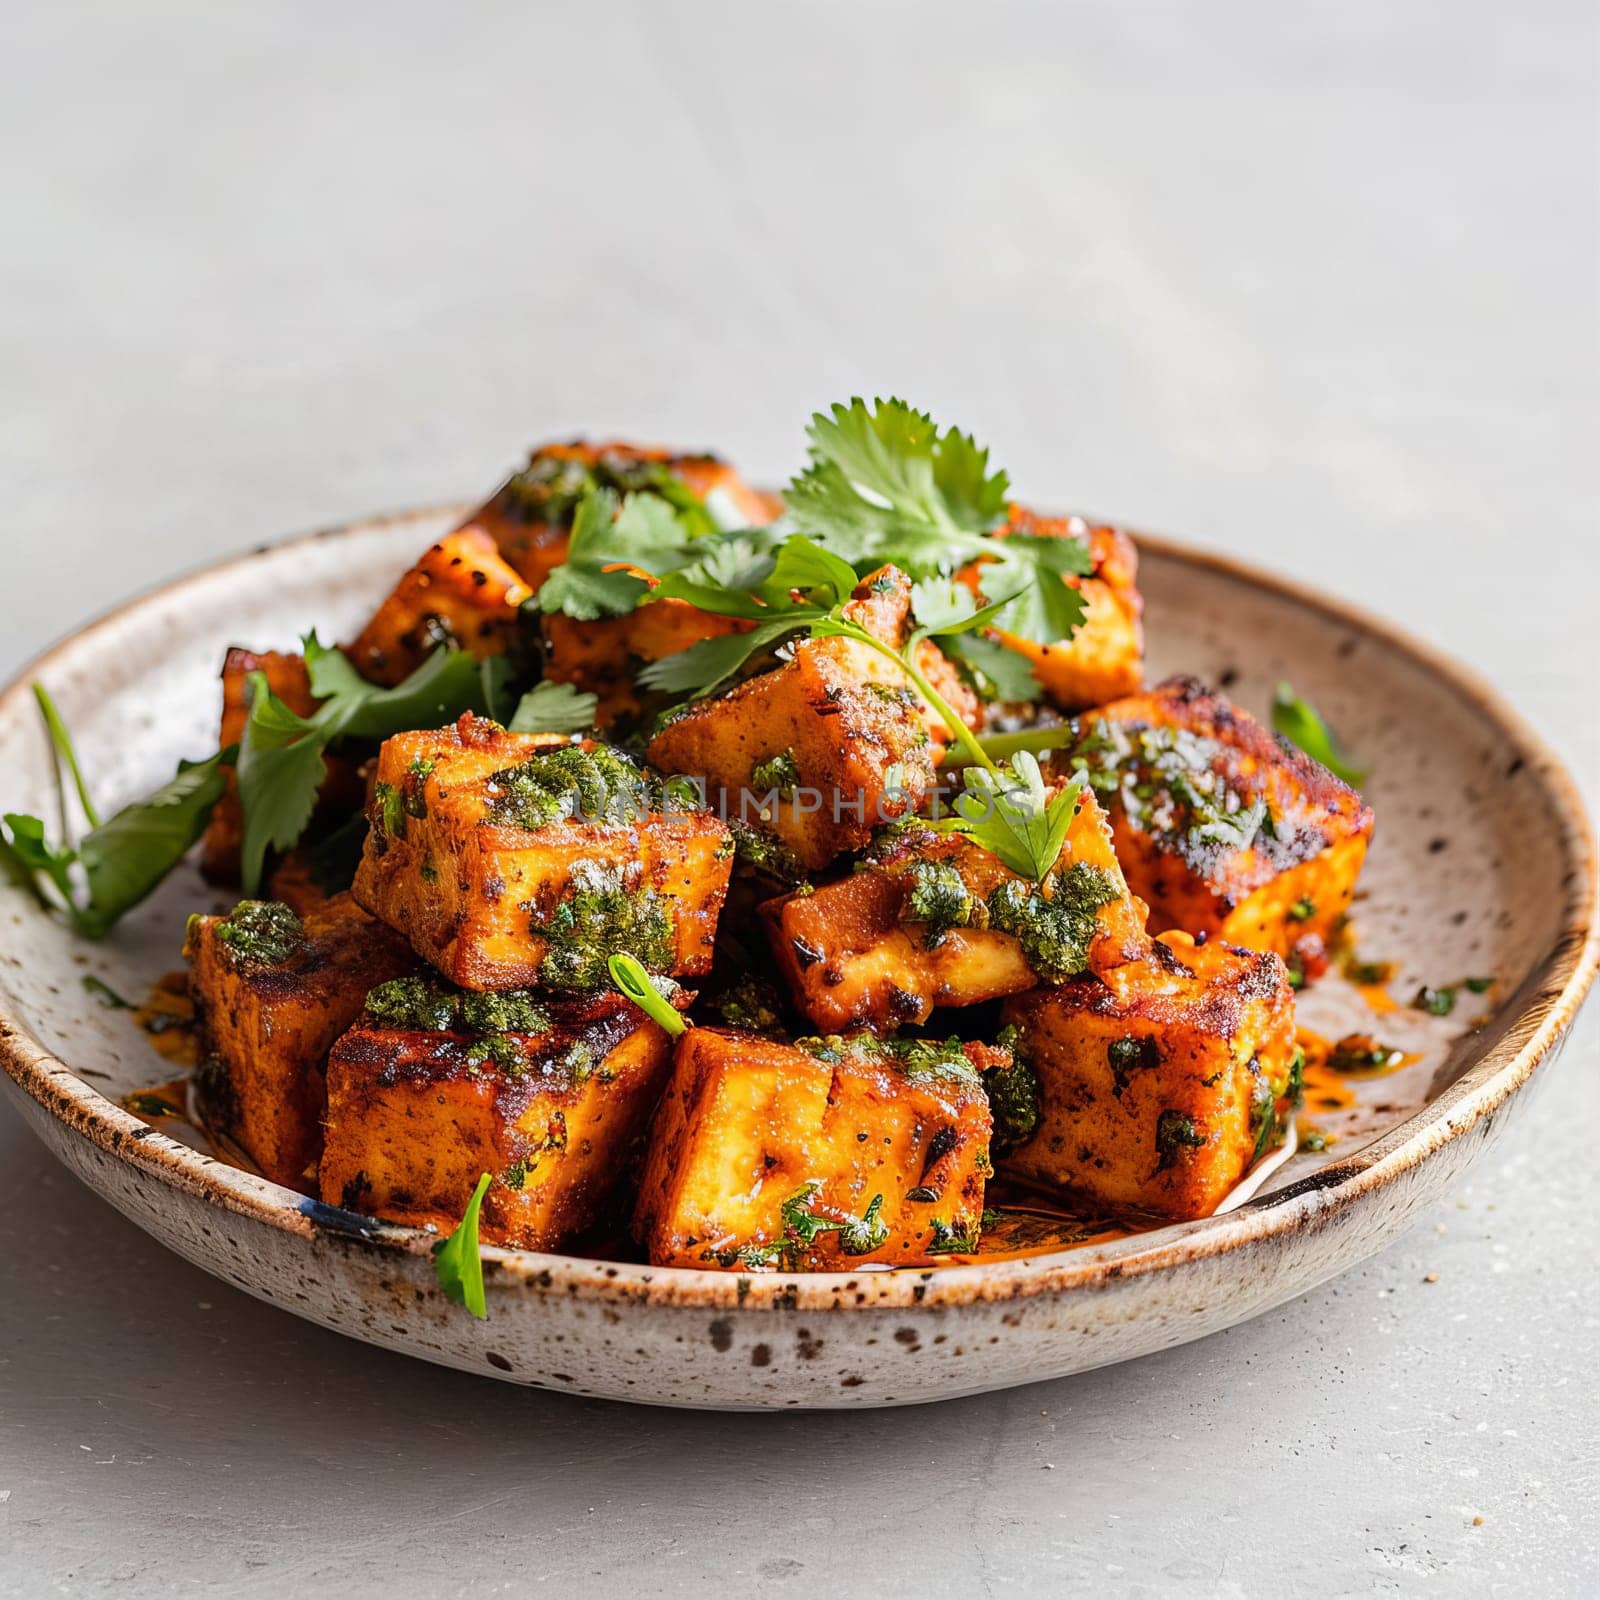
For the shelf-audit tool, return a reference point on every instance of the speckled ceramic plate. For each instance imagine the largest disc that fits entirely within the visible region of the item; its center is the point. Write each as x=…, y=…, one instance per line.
x=1483, y=864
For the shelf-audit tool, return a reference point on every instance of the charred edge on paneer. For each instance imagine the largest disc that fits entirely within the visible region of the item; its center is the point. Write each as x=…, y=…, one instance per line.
x=272, y=992
x=459, y=593
x=482, y=852
x=930, y=919
x=816, y=1156
x=1221, y=827
x=1158, y=1083
x=433, y=1087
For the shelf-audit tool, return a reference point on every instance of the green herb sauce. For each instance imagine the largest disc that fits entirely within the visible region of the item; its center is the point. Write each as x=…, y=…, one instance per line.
x=262, y=933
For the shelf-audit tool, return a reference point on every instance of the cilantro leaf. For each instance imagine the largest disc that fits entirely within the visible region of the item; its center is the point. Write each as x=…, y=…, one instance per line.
x=457, y=1263
x=941, y=604
x=1007, y=674
x=1031, y=568
x=280, y=774
x=32, y=851
x=131, y=852
x=1017, y=821
x=704, y=667
x=123, y=858
x=886, y=475
x=553, y=708
x=1299, y=722
x=802, y=565
x=449, y=682
x=884, y=484
x=608, y=539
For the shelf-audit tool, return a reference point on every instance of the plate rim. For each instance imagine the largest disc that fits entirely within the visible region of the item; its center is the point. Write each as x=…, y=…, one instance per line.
x=1537, y=1017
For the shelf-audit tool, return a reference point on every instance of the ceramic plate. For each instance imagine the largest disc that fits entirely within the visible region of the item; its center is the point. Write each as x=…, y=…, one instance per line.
x=1483, y=865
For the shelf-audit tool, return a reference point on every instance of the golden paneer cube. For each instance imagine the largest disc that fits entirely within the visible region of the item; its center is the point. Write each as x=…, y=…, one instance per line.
x=930, y=919
x=823, y=749
x=1160, y=1082
x=1105, y=656
x=460, y=592
x=434, y=1087
x=817, y=1156
x=530, y=516
x=286, y=677
x=525, y=859
x=1221, y=828
x=603, y=657
x=272, y=992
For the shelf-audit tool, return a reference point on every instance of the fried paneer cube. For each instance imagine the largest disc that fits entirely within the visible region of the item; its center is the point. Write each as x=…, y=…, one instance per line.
x=460, y=592
x=836, y=734
x=286, y=677
x=272, y=992
x=603, y=657
x=817, y=1156
x=1220, y=827
x=530, y=516
x=1105, y=656
x=1160, y=1082
x=434, y=1086
x=931, y=919
x=524, y=859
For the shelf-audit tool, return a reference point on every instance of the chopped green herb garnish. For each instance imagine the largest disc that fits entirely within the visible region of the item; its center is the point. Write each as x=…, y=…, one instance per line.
x=263, y=933
x=803, y=1225
x=957, y=1237
x=429, y=1005
x=105, y=994
x=1358, y=1053
x=1056, y=923
x=1436, y=1002
x=778, y=772
x=600, y=917
x=1175, y=1132
x=1125, y=1056
x=1014, y=1100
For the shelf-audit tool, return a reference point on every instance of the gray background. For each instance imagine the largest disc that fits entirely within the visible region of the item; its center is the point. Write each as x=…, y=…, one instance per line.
x=1312, y=283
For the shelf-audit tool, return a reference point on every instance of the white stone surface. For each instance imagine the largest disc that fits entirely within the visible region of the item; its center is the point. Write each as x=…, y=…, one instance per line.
x=1311, y=283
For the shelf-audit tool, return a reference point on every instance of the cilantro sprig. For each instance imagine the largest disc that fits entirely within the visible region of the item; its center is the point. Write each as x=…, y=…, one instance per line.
x=610, y=541
x=1298, y=721
x=885, y=484
x=457, y=1262
x=119, y=861
x=1005, y=810
x=804, y=589
x=1018, y=821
